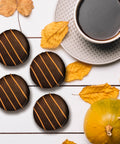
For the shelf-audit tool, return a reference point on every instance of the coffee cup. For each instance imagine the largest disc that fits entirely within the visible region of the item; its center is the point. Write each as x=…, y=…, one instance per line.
x=98, y=21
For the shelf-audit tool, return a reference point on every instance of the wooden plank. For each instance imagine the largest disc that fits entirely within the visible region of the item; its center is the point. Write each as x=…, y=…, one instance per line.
x=9, y=22
x=44, y=139
x=42, y=14
x=20, y=127
x=98, y=75
x=23, y=121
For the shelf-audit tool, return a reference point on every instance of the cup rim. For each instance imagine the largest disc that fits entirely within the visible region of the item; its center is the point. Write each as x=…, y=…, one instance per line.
x=117, y=36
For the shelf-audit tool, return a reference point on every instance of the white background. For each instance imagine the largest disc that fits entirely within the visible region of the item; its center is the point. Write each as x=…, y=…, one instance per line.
x=22, y=122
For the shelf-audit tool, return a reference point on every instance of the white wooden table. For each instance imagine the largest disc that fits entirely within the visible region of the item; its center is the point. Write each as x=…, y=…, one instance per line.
x=19, y=127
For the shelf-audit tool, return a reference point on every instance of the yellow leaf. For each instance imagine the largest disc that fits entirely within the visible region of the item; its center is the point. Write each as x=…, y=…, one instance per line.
x=68, y=142
x=7, y=7
x=25, y=7
x=92, y=94
x=53, y=34
x=77, y=71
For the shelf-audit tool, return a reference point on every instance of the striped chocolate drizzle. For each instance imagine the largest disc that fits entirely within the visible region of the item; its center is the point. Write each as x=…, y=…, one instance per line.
x=19, y=87
x=8, y=98
x=14, y=92
x=47, y=73
x=39, y=119
x=52, y=112
x=55, y=64
x=36, y=76
x=43, y=73
x=49, y=114
x=46, y=115
x=7, y=52
x=19, y=42
x=58, y=106
x=14, y=47
x=49, y=70
x=3, y=60
x=3, y=105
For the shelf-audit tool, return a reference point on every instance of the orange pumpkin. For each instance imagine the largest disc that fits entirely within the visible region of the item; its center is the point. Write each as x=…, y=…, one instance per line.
x=102, y=122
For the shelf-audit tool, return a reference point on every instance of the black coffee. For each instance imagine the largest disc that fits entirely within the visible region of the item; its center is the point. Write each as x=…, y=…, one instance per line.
x=99, y=19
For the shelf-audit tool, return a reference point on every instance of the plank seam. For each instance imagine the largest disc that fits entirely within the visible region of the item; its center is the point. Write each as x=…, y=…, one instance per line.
x=19, y=22
x=72, y=85
x=40, y=133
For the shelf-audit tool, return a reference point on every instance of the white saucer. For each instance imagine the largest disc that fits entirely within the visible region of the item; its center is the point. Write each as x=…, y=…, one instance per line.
x=79, y=48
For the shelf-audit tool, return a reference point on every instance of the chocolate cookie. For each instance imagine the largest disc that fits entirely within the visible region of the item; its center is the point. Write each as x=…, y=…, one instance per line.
x=14, y=93
x=47, y=70
x=51, y=112
x=14, y=48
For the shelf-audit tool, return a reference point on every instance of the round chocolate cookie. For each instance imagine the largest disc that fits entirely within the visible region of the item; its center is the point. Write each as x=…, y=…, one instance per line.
x=51, y=112
x=14, y=93
x=47, y=70
x=14, y=48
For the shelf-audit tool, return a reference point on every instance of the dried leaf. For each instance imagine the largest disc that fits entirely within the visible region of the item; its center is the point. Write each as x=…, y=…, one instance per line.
x=68, y=142
x=53, y=34
x=25, y=7
x=7, y=7
x=92, y=94
x=77, y=71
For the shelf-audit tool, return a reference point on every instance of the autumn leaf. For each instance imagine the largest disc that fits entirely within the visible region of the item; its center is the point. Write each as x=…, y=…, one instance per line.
x=77, y=71
x=7, y=7
x=53, y=34
x=92, y=94
x=68, y=142
x=25, y=7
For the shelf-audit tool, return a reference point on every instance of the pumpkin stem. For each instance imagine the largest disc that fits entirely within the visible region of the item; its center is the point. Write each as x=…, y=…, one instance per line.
x=109, y=129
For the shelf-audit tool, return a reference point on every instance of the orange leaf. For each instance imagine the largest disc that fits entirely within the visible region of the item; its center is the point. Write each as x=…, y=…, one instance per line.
x=25, y=7
x=92, y=94
x=68, y=142
x=7, y=7
x=77, y=71
x=53, y=34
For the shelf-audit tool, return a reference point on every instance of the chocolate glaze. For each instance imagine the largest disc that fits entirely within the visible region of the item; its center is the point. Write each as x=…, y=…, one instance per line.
x=14, y=48
x=51, y=112
x=14, y=93
x=47, y=70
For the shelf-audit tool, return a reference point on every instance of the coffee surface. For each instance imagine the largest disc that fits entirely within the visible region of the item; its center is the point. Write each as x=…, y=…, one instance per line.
x=99, y=19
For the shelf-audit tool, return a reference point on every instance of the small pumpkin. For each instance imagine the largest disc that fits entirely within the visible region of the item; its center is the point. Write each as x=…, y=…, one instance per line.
x=102, y=122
